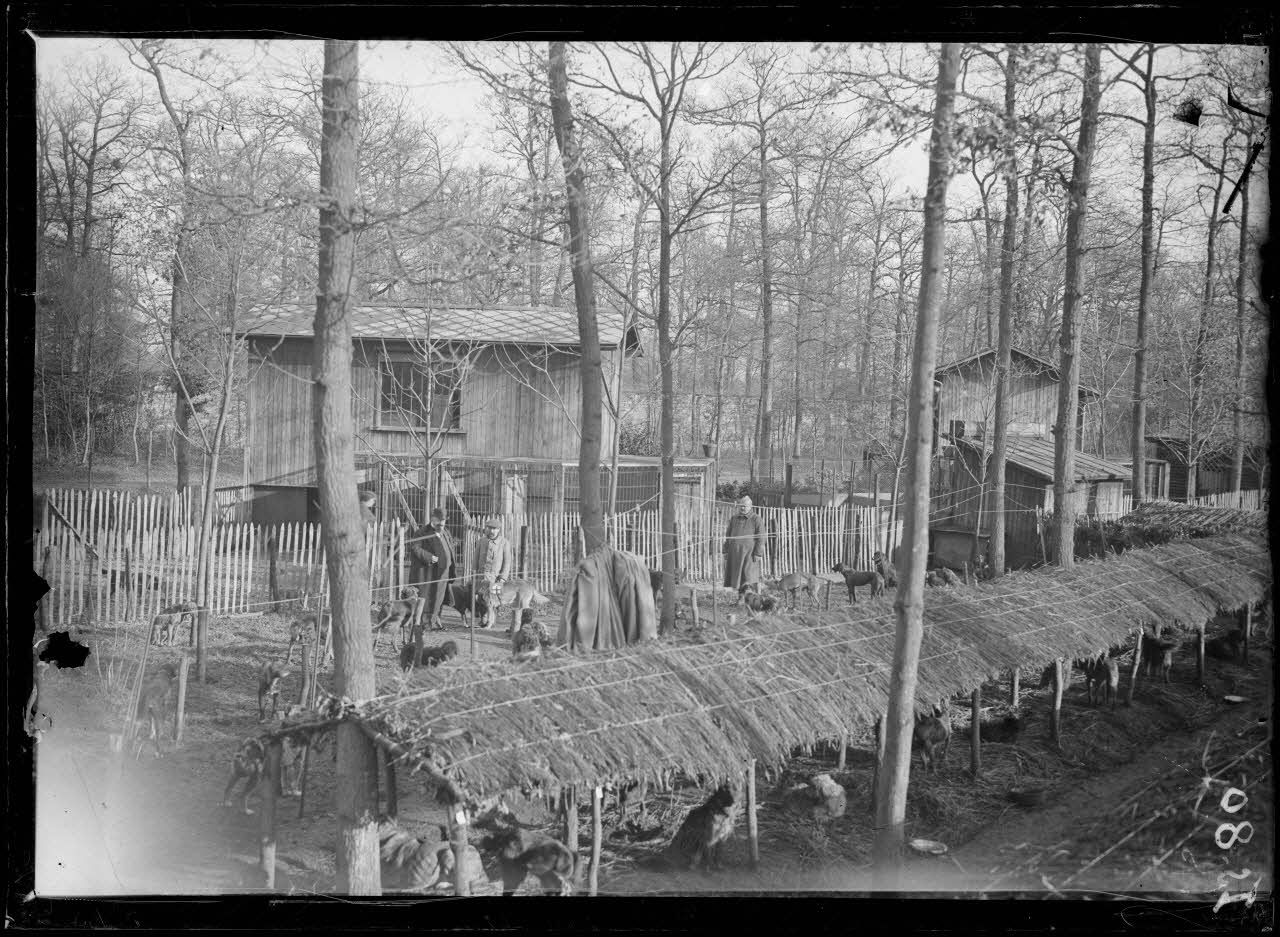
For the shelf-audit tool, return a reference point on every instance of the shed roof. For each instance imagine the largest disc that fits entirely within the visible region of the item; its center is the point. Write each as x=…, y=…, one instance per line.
x=515, y=325
x=1036, y=455
x=1038, y=363
x=705, y=702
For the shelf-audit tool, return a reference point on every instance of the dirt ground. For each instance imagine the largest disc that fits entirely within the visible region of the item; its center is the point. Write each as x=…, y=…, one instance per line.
x=1120, y=811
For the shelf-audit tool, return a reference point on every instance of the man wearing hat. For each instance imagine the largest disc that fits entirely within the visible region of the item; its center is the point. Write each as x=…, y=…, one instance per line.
x=432, y=569
x=743, y=547
x=493, y=567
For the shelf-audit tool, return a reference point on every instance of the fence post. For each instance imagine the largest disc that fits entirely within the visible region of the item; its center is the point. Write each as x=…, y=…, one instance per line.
x=524, y=550
x=180, y=710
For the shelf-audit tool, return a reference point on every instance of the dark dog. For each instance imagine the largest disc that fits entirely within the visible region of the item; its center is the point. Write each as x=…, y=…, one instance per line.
x=458, y=597
x=269, y=678
x=135, y=582
x=701, y=837
x=885, y=569
x=247, y=765
x=523, y=851
x=858, y=577
x=655, y=580
x=431, y=656
x=1103, y=675
x=759, y=603
x=1157, y=652
x=532, y=637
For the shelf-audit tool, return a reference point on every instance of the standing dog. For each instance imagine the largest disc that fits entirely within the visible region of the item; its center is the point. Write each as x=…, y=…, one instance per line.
x=934, y=734
x=153, y=704
x=164, y=627
x=1103, y=675
x=858, y=577
x=458, y=596
x=269, y=685
x=792, y=583
x=247, y=765
x=301, y=632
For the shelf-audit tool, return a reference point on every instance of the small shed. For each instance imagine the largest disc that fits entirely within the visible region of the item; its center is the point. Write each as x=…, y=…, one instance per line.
x=1212, y=471
x=1028, y=493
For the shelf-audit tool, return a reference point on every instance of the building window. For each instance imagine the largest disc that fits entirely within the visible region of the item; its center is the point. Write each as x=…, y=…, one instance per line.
x=409, y=391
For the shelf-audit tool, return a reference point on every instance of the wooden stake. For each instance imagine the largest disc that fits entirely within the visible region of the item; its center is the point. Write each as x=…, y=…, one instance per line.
x=840, y=755
x=180, y=710
x=1246, y=625
x=393, y=790
x=975, y=734
x=302, y=790
x=1014, y=687
x=753, y=827
x=1200, y=652
x=273, y=560
x=693, y=608
x=878, y=769
x=458, y=840
x=597, y=835
x=305, y=694
x=570, y=803
x=1137, y=662
x=270, y=790
x=1055, y=716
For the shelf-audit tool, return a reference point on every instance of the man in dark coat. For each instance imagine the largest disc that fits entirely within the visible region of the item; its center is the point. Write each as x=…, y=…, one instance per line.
x=743, y=547
x=431, y=562
x=440, y=572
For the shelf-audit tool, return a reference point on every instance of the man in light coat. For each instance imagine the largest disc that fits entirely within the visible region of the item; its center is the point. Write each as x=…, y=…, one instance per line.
x=493, y=568
x=743, y=547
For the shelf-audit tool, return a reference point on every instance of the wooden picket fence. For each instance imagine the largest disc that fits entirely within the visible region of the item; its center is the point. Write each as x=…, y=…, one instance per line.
x=160, y=560
x=98, y=508
x=1256, y=500
x=139, y=572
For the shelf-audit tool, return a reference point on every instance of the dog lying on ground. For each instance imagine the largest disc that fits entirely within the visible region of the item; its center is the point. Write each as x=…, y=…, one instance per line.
x=759, y=603
x=431, y=656
x=859, y=577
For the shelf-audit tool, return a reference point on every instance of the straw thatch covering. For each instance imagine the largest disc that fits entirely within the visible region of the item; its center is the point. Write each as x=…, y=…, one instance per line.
x=1161, y=521
x=705, y=702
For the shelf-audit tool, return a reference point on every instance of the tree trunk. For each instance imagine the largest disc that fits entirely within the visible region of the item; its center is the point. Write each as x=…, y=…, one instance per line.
x=1004, y=327
x=1138, y=445
x=1064, y=462
x=1242, y=283
x=343, y=537
x=589, y=367
x=764, y=440
x=891, y=799
x=665, y=349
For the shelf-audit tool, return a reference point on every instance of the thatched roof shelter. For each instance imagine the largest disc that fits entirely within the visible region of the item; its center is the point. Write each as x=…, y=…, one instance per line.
x=706, y=702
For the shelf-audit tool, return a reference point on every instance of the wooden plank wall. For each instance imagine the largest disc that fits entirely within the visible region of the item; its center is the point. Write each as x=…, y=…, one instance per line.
x=515, y=404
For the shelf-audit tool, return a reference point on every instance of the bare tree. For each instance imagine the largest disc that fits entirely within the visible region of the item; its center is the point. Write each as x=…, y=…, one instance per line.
x=584, y=292
x=1064, y=462
x=357, y=799
x=891, y=798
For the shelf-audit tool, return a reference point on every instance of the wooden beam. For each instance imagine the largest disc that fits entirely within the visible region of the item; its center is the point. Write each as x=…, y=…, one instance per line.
x=569, y=802
x=843, y=742
x=1137, y=662
x=1246, y=626
x=393, y=790
x=1014, y=687
x=753, y=826
x=1200, y=652
x=878, y=768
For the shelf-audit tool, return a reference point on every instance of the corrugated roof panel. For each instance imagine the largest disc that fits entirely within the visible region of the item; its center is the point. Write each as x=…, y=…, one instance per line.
x=1036, y=455
x=530, y=325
